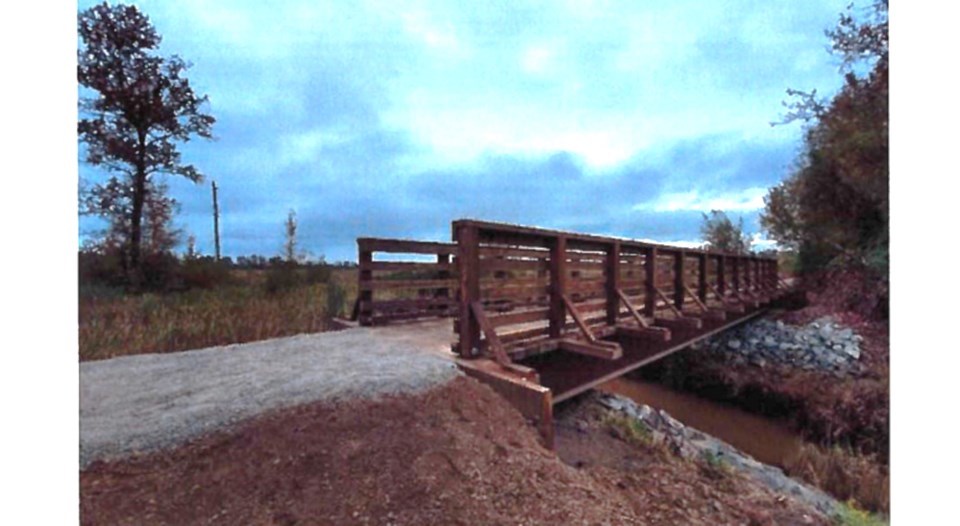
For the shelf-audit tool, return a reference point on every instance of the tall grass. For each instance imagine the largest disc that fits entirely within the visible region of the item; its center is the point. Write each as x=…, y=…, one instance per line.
x=112, y=325
x=845, y=475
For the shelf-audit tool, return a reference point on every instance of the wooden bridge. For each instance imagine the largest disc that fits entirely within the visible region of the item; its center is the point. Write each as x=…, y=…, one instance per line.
x=543, y=315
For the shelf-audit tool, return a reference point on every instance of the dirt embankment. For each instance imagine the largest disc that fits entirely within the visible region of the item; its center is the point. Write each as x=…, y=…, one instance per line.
x=457, y=454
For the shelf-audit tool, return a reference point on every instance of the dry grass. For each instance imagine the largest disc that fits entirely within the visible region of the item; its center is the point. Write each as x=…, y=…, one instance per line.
x=151, y=323
x=845, y=475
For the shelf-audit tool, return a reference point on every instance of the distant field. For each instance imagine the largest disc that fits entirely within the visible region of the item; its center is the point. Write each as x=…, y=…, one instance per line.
x=116, y=325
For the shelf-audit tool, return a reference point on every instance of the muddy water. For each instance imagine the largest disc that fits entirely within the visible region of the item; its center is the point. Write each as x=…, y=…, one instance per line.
x=766, y=440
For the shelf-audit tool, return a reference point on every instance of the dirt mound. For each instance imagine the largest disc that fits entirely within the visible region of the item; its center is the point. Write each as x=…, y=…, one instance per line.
x=458, y=454
x=455, y=455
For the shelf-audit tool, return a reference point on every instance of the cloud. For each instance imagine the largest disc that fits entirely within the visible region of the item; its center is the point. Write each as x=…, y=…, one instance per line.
x=377, y=118
x=746, y=200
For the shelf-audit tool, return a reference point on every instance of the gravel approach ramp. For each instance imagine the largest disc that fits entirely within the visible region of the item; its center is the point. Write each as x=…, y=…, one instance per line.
x=144, y=402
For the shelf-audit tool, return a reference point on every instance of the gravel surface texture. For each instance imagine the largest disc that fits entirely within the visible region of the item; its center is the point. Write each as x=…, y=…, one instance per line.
x=145, y=402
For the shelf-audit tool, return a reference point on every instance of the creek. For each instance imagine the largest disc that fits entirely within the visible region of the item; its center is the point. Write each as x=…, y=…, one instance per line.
x=766, y=440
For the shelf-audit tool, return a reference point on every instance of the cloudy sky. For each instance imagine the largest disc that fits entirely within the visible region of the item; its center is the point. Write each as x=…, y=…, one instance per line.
x=386, y=118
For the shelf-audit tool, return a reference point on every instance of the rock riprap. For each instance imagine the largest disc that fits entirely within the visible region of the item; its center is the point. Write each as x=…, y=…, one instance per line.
x=822, y=344
x=692, y=443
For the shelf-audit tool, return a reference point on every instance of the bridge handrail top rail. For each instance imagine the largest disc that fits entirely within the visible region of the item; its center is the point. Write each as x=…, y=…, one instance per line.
x=546, y=233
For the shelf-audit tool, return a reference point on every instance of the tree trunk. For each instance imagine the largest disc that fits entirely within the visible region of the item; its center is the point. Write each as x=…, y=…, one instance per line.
x=136, y=219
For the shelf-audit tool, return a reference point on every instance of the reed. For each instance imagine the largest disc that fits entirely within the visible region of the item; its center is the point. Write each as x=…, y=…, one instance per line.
x=112, y=326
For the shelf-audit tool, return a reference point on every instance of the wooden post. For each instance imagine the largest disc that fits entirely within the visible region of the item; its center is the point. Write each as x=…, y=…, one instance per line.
x=747, y=260
x=678, y=282
x=613, y=282
x=721, y=275
x=702, y=261
x=468, y=266
x=558, y=285
x=365, y=295
x=736, y=273
x=650, y=292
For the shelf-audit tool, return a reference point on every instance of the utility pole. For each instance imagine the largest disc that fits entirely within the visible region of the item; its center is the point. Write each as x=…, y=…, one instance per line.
x=216, y=220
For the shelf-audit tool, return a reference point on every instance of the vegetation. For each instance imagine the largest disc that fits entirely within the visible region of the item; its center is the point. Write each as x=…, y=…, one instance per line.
x=833, y=210
x=851, y=515
x=142, y=106
x=844, y=474
x=719, y=233
x=630, y=430
x=113, y=323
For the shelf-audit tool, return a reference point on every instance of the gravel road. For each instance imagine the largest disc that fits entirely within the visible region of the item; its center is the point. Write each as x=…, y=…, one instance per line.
x=144, y=402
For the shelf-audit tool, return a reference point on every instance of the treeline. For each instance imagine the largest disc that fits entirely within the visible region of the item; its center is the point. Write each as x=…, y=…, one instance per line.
x=168, y=272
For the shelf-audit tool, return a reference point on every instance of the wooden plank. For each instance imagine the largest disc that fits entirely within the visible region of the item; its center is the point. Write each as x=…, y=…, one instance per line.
x=404, y=246
x=488, y=252
x=380, y=266
x=515, y=283
x=602, y=350
x=532, y=400
x=514, y=293
x=679, y=323
x=528, y=265
x=660, y=334
x=526, y=316
x=408, y=284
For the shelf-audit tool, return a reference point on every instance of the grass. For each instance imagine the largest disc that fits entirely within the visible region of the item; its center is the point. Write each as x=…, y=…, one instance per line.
x=116, y=325
x=714, y=466
x=851, y=515
x=844, y=474
x=629, y=429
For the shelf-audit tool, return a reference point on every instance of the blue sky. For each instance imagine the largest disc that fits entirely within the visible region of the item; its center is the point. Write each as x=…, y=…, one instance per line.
x=384, y=118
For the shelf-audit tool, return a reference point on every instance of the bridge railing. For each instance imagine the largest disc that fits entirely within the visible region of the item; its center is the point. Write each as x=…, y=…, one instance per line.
x=517, y=291
x=404, y=280
x=529, y=283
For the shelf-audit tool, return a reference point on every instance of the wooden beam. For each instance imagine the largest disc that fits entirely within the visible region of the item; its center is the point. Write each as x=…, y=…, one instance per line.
x=669, y=303
x=603, y=350
x=558, y=282
x=679, y=323
x=736, y=273
x=650, y=293
x=702, y=262
x=696, y=299
x=364, y=276
x=613, y=282
x=578, y=319
x=661, y=334
x=721, y=277
x=633, y=312
x=495, y=346
x=678, y=281
x=405, y=246
x=468, y=267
